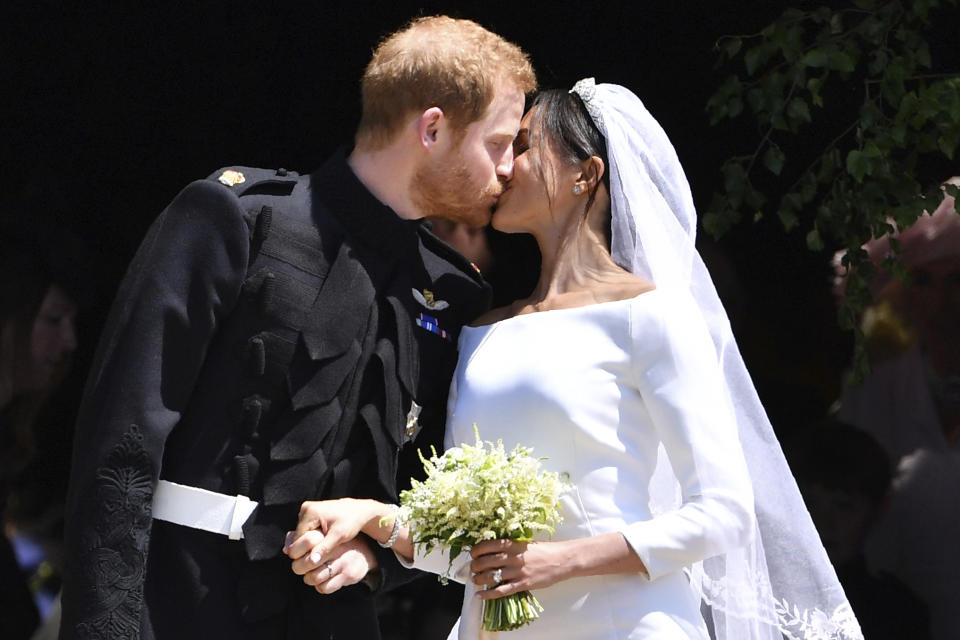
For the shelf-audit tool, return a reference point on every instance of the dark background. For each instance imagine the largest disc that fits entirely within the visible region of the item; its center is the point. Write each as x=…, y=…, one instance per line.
x=109, y=110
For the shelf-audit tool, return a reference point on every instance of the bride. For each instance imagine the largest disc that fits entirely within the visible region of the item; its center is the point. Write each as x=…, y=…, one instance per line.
x=621, y=370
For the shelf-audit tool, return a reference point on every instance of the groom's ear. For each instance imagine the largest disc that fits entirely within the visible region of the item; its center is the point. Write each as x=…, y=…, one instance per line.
x=429, y=125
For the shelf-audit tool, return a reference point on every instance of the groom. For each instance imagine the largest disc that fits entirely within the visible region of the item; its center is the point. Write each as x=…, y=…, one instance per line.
x=280, y=338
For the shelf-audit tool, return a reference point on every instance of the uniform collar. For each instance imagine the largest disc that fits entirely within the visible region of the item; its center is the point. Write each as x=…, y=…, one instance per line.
x=372, y=223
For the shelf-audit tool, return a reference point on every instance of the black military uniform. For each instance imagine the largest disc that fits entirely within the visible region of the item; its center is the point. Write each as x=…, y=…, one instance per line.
x=273, y=338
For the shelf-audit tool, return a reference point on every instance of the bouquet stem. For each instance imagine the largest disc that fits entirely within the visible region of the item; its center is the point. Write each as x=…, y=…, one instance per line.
x=510, y=612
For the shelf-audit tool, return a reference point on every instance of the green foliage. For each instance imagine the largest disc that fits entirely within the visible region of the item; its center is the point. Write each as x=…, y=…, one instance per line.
x=857, y=82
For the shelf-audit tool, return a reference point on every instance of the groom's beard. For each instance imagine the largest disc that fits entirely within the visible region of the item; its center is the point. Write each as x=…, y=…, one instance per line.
x=447, y=190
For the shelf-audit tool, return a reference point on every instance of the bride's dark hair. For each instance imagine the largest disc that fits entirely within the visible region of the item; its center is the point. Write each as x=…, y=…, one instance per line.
x=562, y=118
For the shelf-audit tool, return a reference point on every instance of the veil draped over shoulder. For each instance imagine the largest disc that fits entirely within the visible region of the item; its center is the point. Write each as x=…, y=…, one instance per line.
x=782, y=584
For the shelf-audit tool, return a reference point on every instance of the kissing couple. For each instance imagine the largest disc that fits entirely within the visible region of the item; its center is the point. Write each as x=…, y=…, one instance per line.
x=281, y=340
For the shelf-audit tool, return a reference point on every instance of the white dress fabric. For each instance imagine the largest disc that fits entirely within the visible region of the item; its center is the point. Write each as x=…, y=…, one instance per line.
x=780, y=584
x=601, y=392
x=732, y=514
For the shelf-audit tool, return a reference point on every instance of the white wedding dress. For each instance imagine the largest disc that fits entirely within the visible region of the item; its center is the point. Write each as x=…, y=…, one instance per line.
x=599, y=391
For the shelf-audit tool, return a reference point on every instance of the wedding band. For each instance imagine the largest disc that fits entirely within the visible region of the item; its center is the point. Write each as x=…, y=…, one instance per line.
x=329, y=571
x=498, y=577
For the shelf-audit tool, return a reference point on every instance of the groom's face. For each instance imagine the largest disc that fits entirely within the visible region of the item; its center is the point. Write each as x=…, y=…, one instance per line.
x=463, y=183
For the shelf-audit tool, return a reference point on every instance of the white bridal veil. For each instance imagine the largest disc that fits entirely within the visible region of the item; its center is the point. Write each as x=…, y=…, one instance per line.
x=782, y=584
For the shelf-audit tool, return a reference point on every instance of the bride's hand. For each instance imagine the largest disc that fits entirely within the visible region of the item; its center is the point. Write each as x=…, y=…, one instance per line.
x=522, y=566
x=336, y=522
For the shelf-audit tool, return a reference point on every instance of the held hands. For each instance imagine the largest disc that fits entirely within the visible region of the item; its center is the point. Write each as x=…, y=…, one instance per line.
x=347, y=564
x=325, y=550
x=503, y=567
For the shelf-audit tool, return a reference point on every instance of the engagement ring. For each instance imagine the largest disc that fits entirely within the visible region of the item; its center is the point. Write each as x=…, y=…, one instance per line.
x=498, y=577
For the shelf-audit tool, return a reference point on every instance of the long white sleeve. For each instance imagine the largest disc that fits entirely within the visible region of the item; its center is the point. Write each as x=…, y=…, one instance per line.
x=438, y=561
x=679, y=379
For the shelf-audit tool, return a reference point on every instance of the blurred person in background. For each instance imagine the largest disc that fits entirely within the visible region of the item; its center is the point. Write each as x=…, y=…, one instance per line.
x=911, y=404
x=510, y=262
x=38, y=310
x=911, y=400
x=845, y=478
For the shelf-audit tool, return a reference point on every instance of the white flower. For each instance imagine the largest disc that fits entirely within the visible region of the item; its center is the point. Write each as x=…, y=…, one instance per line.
x=479, y=492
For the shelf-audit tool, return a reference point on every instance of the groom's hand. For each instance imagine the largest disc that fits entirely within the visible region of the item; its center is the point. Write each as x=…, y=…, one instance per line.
x=342, y=566
x=325, y=549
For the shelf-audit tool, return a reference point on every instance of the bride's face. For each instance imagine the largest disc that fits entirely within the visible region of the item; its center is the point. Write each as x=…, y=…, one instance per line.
x=535, y=192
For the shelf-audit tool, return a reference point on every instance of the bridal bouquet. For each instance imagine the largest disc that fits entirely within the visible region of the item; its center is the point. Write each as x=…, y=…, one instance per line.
x=480, y=492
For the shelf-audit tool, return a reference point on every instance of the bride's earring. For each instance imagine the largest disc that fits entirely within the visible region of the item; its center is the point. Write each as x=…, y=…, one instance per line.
x=576, y=189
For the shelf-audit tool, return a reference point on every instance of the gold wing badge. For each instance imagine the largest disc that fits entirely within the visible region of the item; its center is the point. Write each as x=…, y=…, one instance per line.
x=427, y=300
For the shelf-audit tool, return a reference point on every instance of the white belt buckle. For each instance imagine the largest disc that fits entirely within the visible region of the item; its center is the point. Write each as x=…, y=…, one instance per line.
x=242, y=508
x=202, y=509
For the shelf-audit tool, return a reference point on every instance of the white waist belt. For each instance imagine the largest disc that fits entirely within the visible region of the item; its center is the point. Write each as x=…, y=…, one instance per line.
x=202, y=509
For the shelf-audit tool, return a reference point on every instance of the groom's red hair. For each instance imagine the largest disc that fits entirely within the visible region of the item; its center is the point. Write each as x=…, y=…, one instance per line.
x=437, y=61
